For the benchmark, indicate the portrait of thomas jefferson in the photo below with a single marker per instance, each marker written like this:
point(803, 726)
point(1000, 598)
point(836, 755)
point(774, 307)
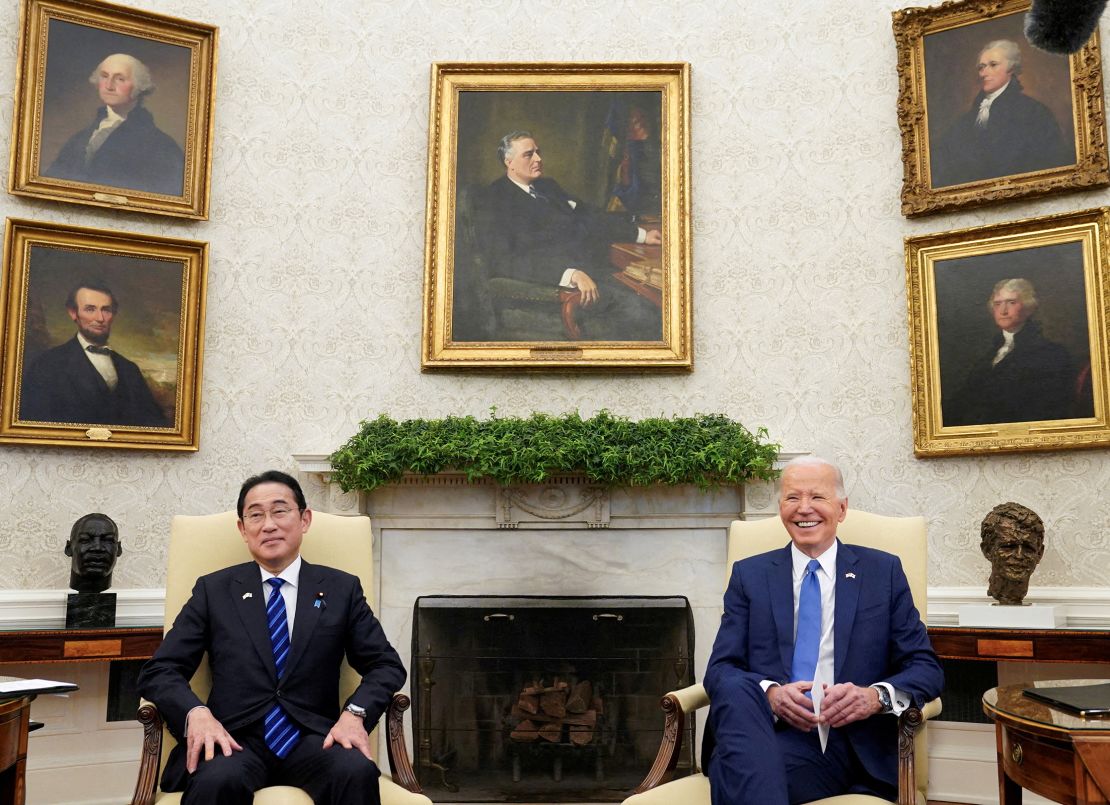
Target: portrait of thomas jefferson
point(1019, 373)
point(122, 146)
point(1005, 127)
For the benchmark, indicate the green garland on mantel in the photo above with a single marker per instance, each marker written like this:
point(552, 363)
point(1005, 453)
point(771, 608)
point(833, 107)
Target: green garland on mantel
point(707, 450)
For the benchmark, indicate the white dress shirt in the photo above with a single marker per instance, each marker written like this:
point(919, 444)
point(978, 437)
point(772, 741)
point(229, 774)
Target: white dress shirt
point(100, 361)
point(826, 578)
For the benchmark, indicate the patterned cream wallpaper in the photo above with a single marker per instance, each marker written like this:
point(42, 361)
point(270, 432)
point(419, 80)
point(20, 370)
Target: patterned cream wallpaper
point(313, 314)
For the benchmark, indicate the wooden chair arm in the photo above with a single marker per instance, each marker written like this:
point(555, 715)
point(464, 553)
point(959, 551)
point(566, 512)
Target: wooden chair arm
point(676, 705)
point(399, 763)
point(151, 758)
point(909, 724)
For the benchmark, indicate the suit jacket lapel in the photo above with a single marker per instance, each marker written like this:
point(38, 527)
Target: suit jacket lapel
point(846, 596)
point(780, 583)
point(308, 615)
point(249, 600)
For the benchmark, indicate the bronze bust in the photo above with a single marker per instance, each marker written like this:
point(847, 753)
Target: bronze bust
point(93, 545)
point(1012, 538)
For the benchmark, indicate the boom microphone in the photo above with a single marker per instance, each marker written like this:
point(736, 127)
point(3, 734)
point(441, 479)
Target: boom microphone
point(1062, 26)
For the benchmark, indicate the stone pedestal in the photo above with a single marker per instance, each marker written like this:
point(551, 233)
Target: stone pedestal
point(1027, 616)
point(90, 610)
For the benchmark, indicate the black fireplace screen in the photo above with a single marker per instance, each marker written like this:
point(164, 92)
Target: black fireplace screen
point(544, 698)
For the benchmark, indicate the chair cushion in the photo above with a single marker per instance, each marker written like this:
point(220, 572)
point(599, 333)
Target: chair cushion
point(691, 790)
point(391, 793)
point(694, 790)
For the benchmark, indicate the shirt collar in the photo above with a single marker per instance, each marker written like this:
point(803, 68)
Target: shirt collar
point(527, 188)
point(291, 574)
point(827, 560)
point(997, 92)
point(113, 117)
point(86, 343)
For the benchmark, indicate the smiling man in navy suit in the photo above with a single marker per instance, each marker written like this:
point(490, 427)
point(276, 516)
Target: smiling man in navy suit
point(816, 612)
point(275, 631)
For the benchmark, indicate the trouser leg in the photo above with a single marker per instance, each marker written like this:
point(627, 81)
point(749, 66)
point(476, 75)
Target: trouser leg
point(226, 780)
point(333, 776)
point(747, 766)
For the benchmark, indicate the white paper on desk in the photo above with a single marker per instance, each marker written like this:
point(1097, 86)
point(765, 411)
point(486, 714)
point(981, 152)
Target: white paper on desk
point(21, 685)
point(817, 694)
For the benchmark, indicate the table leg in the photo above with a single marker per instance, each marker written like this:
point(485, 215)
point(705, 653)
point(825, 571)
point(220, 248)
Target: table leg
point(1009, 792)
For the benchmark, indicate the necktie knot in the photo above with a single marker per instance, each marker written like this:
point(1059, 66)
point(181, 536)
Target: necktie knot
point(276, 583)
point(813, 566)
point(98, 350)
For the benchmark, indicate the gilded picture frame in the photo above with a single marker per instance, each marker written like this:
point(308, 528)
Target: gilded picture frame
point(101, 338)
point(590, 273)
point(985, 117)
point(113, 108)
point(1008, 336)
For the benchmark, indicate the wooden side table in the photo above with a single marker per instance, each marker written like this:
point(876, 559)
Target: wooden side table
point(14, 722)
point(1049, 751)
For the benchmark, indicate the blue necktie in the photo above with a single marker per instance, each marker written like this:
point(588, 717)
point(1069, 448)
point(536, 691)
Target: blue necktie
point(281, 734)
point(808, 641)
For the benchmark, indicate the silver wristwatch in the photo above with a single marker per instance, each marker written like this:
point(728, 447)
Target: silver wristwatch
point(354, 709)
point(884, 698)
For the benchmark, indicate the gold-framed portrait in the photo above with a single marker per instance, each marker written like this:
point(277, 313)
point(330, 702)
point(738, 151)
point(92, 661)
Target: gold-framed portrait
point(985, 116)
point(101, 337)
point(1008, 338)
point(113, 108)
point(558, 218)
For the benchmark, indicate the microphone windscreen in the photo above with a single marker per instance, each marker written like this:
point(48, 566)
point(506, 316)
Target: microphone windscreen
point(1062, 26)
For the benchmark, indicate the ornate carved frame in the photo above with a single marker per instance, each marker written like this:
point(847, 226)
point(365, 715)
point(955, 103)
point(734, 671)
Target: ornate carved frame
point(1089, 229)
point(102, 250)
point(1092, 166)
point(25, 177)
point(440, 350)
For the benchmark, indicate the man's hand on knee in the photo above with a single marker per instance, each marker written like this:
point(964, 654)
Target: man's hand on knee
point(349, 733)
point(845, 703)
point(790, 703)
point(206, 732)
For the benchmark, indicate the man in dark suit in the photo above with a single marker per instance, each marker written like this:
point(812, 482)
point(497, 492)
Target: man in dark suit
point(84, 381)
point(1022, 376)
point(122, 147)
point(534, 230)
point(1004, 132)
point(275, 631)
point(815, 613)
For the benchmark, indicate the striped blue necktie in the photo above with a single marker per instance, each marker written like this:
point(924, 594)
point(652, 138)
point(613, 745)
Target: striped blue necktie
point(808, 642)
point(281, 734)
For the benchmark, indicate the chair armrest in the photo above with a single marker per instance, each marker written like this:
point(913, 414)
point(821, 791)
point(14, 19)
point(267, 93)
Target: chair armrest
point(909, 724)
point(676, 705)
point(151, 758)
point(400, 765)
point(691, 698)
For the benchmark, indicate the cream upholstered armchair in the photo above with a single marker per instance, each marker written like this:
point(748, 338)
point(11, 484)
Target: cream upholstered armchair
point(200, 545)
point(904, 536)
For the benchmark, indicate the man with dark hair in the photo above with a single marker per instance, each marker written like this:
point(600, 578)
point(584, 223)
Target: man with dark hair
point(275, 631)
point(816, 613)
point(536, 231)
point(122, 147)
point(84, 381)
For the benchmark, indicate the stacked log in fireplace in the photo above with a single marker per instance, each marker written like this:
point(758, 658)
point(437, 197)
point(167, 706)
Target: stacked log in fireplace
point(559, 713)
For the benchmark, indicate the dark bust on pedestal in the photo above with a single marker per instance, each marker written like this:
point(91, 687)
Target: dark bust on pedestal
point(1012, 538)
point(93, 545)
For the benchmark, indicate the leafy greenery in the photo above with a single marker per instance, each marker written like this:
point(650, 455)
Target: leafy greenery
point(707, 450)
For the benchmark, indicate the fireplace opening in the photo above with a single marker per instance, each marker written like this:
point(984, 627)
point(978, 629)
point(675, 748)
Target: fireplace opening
point(544, 698)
